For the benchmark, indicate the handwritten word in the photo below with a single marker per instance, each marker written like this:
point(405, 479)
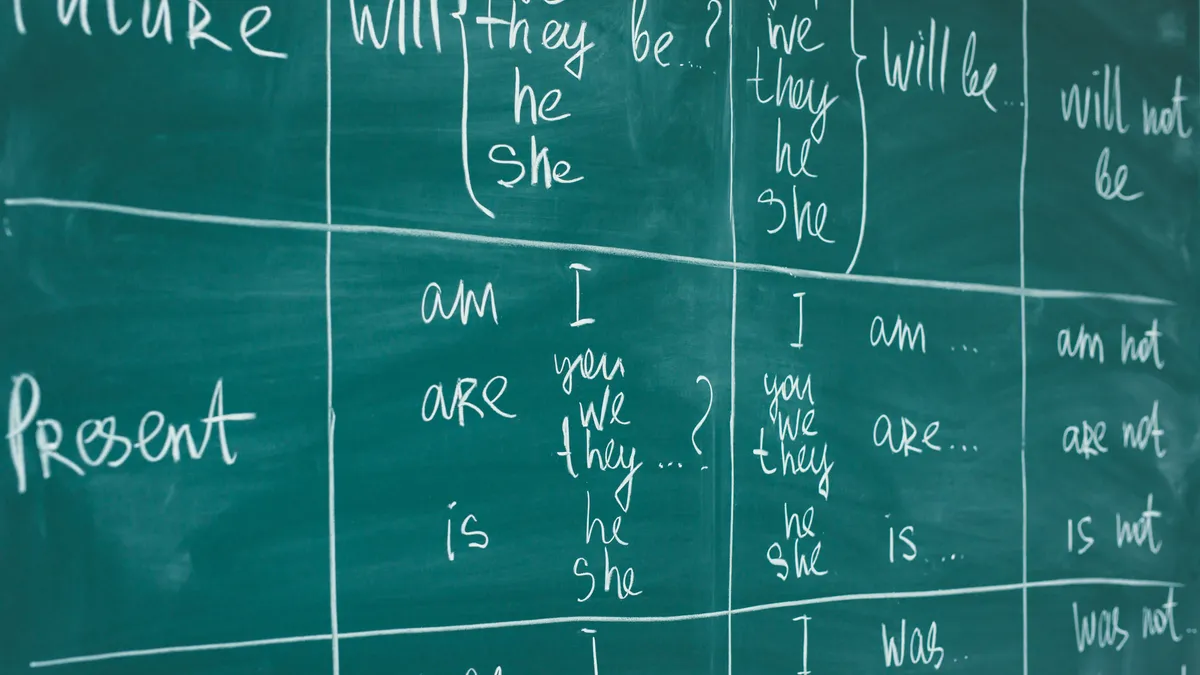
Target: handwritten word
point(906, 537)
point(1140, 532)
point(1160, 122)
point(971, 86)
point(641, 38)
point(794, 463)
point(539, 109)
point(1083, 345)
point(1161, 620)
point(48, 435)
point(802, 215)
point(589, 417)
point(1104, 105)
point(610, 536)
point(792, 426)
point(1146, 430)
point(897, 71)
point(790, 388)
point(1085, 439)
point(363, 24)
point(902, 334)
point(790, 37)
point(797, 93)
point(1112, 186)
point(555, 35)
point(460, 403)
point(883, 435)
point(783, 155)
point(580, 321)
point(465, 303)
point(199, 17)
point(613, 576)
point(479, 538)
point(799, 343)
point(922, 647)
point(804, 646)
point(1074, 528)
point(596, 660)
point(539, 168)
point(588, 367)
point(1103, 631)
point(1142, 350)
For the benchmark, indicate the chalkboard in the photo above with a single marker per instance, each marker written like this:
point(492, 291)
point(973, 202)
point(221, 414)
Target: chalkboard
point(643, 336)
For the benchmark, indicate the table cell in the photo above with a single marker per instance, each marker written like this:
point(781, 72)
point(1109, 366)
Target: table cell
point(556, 446)
point(883, 453)
point(165, 481)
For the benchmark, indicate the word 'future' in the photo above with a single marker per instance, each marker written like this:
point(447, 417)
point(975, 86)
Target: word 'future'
point(156, 21)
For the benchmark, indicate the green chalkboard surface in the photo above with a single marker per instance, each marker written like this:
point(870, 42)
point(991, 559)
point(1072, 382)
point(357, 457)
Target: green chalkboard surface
point(628, 337)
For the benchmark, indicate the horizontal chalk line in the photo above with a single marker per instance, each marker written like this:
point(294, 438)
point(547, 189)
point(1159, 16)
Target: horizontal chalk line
point(264, 223)
point(420, 630)
point(216, 646)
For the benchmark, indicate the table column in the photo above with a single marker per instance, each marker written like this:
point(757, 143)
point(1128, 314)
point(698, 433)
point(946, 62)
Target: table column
point(1111, 371)
point(531, 370)
point(877, 437)
point(164, 480)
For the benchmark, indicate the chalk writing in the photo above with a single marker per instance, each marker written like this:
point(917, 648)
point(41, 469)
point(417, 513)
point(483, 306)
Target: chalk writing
point(97, 444)
point(157, 23)
point(603, 142)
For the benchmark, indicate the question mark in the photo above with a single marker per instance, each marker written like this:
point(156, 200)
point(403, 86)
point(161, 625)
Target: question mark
point(708, 35)
point(705, 380)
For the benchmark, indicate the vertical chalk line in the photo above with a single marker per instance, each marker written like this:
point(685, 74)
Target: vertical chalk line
point(732, 361)
point(1024, 346)
point(330, 419)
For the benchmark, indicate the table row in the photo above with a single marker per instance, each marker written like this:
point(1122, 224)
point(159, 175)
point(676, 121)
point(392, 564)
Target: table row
point(1100, 630)
point(924, 159)
point(552, 436)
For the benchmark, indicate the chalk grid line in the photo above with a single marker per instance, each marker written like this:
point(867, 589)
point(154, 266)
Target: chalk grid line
point(676, 618)
point(331, 417)
point(1024, 343)
point(732, 358)
point(508, 242)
